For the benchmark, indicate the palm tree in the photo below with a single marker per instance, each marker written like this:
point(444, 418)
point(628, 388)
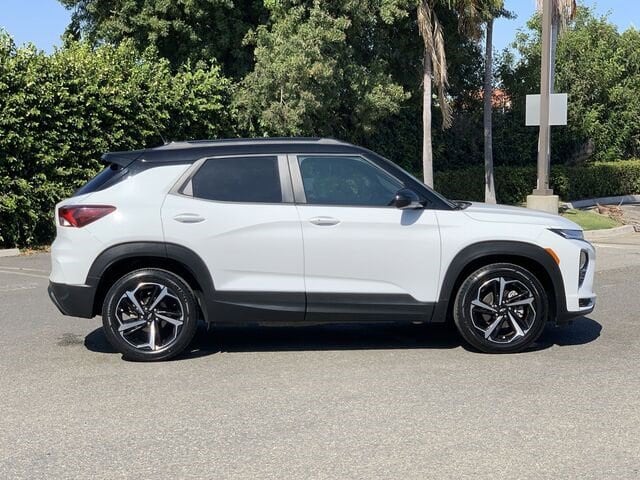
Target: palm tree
point(491, 9)
point(489, 185)
point(435, 69)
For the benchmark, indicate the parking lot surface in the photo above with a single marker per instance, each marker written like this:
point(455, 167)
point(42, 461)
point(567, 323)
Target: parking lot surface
point(324, 402)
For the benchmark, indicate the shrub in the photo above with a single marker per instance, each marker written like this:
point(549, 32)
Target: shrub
point(513, 184)
point(60, 112)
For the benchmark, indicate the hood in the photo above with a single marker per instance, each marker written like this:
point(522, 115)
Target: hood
point(485, 212)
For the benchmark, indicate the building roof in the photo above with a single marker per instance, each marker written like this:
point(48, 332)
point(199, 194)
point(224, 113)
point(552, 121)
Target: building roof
point(192, 150)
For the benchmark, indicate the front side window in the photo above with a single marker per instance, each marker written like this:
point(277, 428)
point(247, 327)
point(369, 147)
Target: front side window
point(344, 180)
point(238, 179)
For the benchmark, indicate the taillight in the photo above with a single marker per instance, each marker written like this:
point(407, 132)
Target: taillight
point(81, 215)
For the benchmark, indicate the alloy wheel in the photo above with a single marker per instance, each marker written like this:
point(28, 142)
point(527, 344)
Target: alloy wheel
point(150, 316)
point(503, 310)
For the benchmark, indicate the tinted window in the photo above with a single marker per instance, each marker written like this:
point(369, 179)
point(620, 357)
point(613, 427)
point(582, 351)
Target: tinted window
point(238, 179)
point(106, 178)
point(346, 181)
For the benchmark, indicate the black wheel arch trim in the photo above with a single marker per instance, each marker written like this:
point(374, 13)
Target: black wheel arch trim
point(190, 260)
point(216, 305)
point(478, 251)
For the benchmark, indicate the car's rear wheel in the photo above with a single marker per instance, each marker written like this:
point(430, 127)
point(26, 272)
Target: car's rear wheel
point(501, 308)
point(149, 314)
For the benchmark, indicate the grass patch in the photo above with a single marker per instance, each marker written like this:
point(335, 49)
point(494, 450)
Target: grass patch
point(590, 220)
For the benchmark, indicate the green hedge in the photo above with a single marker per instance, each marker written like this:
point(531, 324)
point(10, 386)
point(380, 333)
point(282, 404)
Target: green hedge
point(513, 184)
point(60, 112)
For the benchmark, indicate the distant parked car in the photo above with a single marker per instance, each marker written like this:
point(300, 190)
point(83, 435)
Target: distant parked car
point(303, 231)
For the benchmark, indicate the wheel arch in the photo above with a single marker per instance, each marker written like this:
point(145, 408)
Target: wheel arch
point(120, 259)
point(532, 257)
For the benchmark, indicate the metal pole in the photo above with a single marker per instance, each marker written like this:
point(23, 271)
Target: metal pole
point(545, 89)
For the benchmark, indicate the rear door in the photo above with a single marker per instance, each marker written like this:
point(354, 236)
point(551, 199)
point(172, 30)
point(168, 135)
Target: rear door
point(237, 214)
point(362, 255)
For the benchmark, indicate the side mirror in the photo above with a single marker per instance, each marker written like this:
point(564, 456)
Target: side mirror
point(406, 199)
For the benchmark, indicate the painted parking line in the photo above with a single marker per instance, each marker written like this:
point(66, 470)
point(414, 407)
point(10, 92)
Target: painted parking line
point(617, 246)
point(7, 267)
point(17, 288)
point(24, 274)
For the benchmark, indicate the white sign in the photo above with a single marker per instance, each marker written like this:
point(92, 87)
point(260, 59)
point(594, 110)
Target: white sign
point(557, 109)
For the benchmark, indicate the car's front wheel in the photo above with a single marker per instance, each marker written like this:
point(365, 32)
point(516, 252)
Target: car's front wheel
point(501, 308)
point(149, 314)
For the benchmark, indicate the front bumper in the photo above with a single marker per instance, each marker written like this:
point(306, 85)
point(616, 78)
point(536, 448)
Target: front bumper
point(73, 300)
point(564, 317)
point(580, 297)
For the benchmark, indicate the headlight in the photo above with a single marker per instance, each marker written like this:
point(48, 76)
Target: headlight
point(570, 234)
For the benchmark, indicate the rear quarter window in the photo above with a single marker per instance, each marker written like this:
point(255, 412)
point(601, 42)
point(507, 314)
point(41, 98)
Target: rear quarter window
point(106, 178)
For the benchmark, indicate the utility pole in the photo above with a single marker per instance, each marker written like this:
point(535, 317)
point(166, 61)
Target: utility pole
point(543, 197)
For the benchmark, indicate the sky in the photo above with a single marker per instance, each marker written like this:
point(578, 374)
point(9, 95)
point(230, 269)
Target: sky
point(42, 22)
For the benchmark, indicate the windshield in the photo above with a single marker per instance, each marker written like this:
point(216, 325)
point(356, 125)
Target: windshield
point(420, 183)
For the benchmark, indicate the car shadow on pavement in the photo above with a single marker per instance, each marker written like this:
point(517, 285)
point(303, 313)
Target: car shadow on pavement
point(348, 337)
point(326, 337)
point(583, 330)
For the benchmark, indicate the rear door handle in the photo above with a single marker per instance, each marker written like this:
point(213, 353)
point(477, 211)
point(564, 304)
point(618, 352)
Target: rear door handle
point(189, 218)
point(324, 221)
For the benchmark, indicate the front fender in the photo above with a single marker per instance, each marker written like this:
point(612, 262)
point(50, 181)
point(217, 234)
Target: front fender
point(479, 254)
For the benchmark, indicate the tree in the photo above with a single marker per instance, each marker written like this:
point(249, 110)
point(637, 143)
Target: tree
point(490, 11)
point(373, 71)
point(59, 113)
point(318, 72)
point(181, 31)
point(435, 67)
point(434, 71)
point(599, 68)
point(489, 182)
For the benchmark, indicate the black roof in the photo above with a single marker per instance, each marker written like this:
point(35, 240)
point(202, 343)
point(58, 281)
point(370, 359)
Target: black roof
point(190, 151)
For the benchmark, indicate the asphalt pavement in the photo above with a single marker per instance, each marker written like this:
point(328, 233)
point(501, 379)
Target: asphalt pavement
point(324, 402)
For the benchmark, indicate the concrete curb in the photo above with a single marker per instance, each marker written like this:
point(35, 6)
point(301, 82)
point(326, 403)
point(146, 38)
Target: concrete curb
point(9, 252)
point(592, 202)
point(608, 232)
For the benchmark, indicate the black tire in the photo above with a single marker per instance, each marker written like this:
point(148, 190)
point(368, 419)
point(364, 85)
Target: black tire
point(167, 337)
point(487, 323)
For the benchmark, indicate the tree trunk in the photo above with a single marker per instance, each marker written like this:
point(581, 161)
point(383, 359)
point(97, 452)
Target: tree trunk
point(427, 149)
point(489, 186)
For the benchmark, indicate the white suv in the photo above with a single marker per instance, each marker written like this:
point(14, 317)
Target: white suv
point(303, 231)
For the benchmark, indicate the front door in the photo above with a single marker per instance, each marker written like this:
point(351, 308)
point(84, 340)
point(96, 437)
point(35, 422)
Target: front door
point(361, 255)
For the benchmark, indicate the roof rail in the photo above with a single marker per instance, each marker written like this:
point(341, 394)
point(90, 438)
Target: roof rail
point(217, 141)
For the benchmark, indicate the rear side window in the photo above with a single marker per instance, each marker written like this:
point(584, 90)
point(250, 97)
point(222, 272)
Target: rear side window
point(238, 179)
point(105, 179)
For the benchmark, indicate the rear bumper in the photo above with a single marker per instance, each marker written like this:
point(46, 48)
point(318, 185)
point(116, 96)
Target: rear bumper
point(73, 300)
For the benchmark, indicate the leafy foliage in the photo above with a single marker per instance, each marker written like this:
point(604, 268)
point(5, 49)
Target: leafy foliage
point(306, 80)
point(180, 30)
point(59, 113)
point(600, 70)
point(351, 69)
point(513, 183)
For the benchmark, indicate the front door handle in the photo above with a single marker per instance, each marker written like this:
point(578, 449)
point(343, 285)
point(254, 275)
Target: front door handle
point(189, 218)
point(324, 221)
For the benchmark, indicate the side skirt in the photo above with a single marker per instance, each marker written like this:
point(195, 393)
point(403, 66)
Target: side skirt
point(296, 308)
